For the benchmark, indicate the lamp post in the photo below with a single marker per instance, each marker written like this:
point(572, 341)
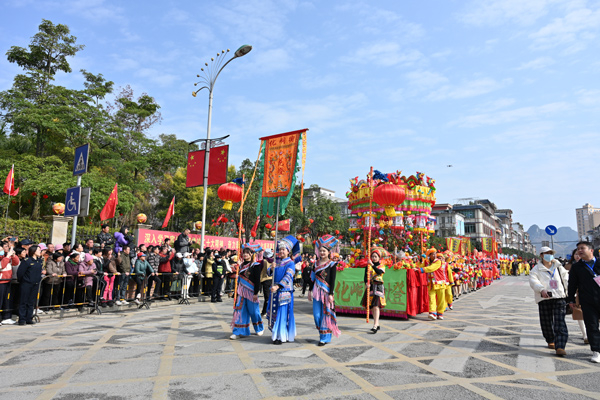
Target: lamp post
point(210, 74)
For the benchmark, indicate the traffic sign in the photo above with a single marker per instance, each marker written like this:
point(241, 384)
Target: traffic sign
point(551, 230)
point(73, 201)
point(80, 166)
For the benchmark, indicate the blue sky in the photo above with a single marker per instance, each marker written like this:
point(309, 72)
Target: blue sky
point(505, 91)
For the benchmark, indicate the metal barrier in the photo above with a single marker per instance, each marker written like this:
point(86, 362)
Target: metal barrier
point(72, 291)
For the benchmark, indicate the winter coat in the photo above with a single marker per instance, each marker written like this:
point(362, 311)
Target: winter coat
point(120, 241)
point(6, 268)
point(142, 268)
point(154, 261)
point(30, 270)
point(540, 276)
point(164, 265)
point(182, 244)
point(190, 266)
point(52, 267)
point(124, 263)
point(88, 271)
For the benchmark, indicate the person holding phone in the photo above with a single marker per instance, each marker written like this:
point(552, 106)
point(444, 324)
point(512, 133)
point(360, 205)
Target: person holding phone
point(549, 280)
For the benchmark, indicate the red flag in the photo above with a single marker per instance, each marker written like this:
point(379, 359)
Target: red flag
point(9, 184)
point(108, 211)
point(217, 167)
point(284, 225)
point(170, 213)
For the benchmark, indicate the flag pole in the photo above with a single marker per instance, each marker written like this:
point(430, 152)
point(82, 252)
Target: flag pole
point(370, 186)
point(239, 255)
point(275, 253)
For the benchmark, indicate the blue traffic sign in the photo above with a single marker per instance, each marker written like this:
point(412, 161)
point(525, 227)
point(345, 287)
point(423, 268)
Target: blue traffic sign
point(551, 230)
point(80, 166)
point(73, 201)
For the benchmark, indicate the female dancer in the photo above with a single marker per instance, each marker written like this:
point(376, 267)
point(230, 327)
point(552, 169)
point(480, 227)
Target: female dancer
point(322, 284)
point(376, 291)
point(281, 303)
point(246, 305)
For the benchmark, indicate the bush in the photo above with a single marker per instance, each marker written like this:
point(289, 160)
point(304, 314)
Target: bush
point(24, 228)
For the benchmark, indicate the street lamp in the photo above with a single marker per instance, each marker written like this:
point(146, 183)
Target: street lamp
point(210, 74)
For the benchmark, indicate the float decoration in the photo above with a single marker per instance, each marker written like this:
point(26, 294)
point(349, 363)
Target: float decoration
point(230, 193)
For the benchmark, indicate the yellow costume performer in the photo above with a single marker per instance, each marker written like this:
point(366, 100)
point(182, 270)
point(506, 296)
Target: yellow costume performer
point(437, 282)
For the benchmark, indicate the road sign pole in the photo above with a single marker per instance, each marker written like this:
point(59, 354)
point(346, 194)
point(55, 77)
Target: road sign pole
point(552, 241)
point(74, 230)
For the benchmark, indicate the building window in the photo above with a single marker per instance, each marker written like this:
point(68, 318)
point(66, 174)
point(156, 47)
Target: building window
point(470, 228)
point(468, 213)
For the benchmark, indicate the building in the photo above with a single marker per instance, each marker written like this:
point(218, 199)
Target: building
point(480, 219)
point(311, 193)
point(505, 224)
point(588, 218)
point(449, 223)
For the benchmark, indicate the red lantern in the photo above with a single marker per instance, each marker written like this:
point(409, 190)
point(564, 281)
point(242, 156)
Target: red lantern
point(142, 218)
point(311, 220)
point(330, 218)
point(230, 193)
point(44, 196)
point(389, 195)
point(224, 220)
point(268, 226)
point(337, 232)
point(33, 194)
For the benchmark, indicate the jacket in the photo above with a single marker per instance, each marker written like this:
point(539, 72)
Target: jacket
point(182, 244)
point(105, 238)
point(142, 268)
point(124, 263)
point(581, 278)
point(109, 265)
point(540, 276)
point(6, 270)
point(120, 241)
point(154, 261)
point(72, 269)
point(178, 265)
point(52, 267)
point(30, 270)
point(88, 271)
point(190, 266)
point(164, 265)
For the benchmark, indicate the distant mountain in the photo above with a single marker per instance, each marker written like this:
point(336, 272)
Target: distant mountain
point(564, 240)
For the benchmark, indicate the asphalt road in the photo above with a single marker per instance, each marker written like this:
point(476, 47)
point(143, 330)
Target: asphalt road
point(489, 346)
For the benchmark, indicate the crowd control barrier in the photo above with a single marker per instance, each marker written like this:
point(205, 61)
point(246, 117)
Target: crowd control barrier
point(66, 292)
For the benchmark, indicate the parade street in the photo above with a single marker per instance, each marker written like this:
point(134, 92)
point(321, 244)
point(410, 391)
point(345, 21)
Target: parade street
point(490, 346)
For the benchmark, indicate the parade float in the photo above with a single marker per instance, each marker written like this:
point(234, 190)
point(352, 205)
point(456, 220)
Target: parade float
point(392, 211)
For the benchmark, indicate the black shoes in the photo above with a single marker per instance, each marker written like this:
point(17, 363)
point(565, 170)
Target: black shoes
point(277, 341)
point(21, 322)
point(220, 300)
point(375, 329)
point(321, 344)
point(29, 323)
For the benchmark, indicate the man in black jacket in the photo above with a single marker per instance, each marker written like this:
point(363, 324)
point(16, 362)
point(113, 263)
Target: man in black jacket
point(584, 277)
point(182, 243)
point(104, 237)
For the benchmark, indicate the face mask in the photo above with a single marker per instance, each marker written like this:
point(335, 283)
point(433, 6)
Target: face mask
point(1, 252)
point(548, 257)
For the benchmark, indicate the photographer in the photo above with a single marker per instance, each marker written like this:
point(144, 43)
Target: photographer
point(104, 237)
point(123, 238)
point(549, 280)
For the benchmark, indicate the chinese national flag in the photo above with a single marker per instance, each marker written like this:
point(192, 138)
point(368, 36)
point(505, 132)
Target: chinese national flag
point(9, 184)
point(217, 167)
point(170, 213)
point(108, 211)
point(284, 225)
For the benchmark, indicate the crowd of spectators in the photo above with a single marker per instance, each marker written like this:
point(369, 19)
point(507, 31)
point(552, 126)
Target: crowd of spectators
point(103, 273)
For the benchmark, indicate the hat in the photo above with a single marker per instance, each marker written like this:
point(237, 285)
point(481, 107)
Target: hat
point(43, 246)
point(140, 254)
point(26, 242)
point(187, 254)
point(217, 255)
point(268, 253)
point(88, 257)
point(292, 245)
point(179, 255)
point(254, 248)
point(429, 251)
point(380, 251)
point(58, 247)
point(546, 249)
point(326, 241)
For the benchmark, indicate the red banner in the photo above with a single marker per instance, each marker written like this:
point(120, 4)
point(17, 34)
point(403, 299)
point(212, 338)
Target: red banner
point(280, 163)
point(151, 237)
point(217, 167)
point(284, 225)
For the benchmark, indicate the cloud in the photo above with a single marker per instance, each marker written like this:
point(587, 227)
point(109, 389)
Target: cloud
point(384, 54)
point(577, 26)
point(159, 78)
point(538, 63)
point(467, 89)
point(589, 97)
point(425, 79)
point(503, 117)
point(498, 12)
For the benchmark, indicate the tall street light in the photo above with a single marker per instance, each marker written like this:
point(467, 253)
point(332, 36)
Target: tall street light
point(210, 73)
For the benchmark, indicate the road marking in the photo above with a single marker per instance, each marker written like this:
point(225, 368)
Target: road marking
point(466, 342)
point(534, 362)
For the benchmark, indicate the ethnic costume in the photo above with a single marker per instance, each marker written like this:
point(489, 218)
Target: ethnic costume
point(246, 308)
point(322, 285)
point(437, 282)
point(376, 291)
point(281, 304)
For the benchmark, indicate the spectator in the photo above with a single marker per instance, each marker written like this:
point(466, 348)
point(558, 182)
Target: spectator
point(78, 247)
point(88, 268)
point(218, 272)
point(8, 260)
point(142, 268)
point(584, 278)
point(15, 287)
point(51, 248)
point(104, 237)
point(164, 268)
point(124, 270)
point(182, 243)
point(109, 268)
point(209, 259)
point(55, 270)
point(66, 248)
point(178, 267)
point(122, 238)
point(89, 246)
point(190, 268)
point(29, 275)
point(548, 279)
point(72, 270)
point(167, 244)
point(26, 244)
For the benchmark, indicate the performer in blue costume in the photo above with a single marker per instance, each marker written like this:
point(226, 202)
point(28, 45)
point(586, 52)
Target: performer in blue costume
point(246, 305)
point(321, 293)
point(281, 303)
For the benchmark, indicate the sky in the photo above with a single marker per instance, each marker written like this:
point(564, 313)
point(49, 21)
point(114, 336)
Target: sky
point(494, 99)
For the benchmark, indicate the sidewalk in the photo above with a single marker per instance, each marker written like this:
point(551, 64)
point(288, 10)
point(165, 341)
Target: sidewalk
point(490, 346)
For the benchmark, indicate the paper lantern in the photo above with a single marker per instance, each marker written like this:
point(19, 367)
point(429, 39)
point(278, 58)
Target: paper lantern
point(58, 208)
point(230, 193)
point(141, 218)
point(268, 226)
point(331, 218)
point(389, 195)
point(198, 225)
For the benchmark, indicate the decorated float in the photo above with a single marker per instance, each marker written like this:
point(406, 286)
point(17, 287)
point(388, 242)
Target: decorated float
point(392, 211)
